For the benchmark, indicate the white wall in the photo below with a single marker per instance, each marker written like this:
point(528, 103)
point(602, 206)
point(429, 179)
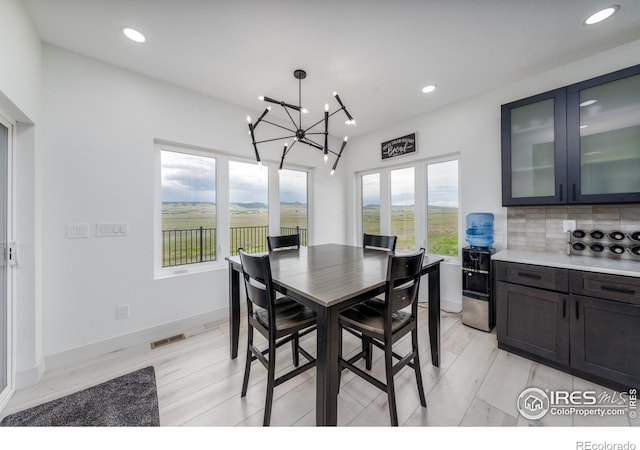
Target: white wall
point(99, 164)
point(472, 129)
point(20, 97)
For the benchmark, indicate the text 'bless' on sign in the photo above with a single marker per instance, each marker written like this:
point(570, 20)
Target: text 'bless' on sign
point(399, 146)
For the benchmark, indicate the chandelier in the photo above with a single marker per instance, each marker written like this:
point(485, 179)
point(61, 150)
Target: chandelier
point(296, 131)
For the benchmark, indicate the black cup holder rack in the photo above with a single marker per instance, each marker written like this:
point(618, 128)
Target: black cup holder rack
point(616, 244)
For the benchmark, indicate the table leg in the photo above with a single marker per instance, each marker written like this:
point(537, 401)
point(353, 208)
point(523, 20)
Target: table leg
point(234, 310)
point(434, 315)
point(327, 379)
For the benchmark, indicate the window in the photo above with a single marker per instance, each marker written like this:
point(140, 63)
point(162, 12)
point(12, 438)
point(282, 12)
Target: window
point(248, 207)
point(403, 208)
point(442, 208)
point(371, 203)
point(293, 203)
point(392, 199)
point(188, 193)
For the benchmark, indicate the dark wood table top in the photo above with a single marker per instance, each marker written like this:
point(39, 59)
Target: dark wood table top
point(330, 273)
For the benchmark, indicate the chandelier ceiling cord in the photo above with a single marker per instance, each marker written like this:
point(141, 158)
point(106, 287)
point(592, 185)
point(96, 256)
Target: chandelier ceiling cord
point(298, 133)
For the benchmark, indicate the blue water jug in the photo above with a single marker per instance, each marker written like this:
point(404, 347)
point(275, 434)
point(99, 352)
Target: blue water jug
point(480, 229)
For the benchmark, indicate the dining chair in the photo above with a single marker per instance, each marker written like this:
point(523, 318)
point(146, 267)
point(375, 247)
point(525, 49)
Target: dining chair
point(278, 321)
point(288, 241)
point(285, 241)
point(385, 321)
point(379, 241)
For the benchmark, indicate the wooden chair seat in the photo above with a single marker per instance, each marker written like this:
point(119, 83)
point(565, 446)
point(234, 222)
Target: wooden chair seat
point(291, 316)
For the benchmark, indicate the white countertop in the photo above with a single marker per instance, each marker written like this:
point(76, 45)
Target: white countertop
point(624, 267)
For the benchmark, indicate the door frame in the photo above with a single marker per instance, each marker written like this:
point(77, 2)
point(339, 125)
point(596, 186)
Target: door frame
point(5, 395)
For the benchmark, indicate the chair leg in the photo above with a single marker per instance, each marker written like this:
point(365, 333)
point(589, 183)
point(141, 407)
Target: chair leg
point(271, 372)
point(416, 368)
point(391, 392)
point(295, 346)
point(247, 365)
point(367, 348)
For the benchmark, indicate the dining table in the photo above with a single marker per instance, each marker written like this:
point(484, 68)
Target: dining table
point(329, 278)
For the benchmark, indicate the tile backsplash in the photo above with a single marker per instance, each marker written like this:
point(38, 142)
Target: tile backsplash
point(540, 227)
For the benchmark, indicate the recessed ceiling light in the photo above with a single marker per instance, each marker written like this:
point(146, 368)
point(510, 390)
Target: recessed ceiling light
point(134, 35)
point(588, 102)
point(428, 89)
point(601, 15)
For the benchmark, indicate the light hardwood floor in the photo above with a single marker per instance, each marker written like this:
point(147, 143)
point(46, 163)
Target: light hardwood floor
point(199, 385)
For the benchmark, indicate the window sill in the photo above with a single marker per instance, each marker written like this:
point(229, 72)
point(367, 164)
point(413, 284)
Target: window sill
point(189, 269)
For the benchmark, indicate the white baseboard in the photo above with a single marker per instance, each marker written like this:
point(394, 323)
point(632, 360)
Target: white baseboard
point(84, 352)
point(452, 306)
point(29, 377)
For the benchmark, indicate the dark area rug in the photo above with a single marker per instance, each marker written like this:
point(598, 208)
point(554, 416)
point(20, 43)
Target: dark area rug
point(127, 401)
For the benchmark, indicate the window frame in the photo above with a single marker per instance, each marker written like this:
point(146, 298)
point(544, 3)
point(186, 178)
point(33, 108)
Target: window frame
point(420, 196)
point(222, 205)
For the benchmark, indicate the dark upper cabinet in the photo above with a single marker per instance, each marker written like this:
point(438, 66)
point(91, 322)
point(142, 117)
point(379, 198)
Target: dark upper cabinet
point(579, 144)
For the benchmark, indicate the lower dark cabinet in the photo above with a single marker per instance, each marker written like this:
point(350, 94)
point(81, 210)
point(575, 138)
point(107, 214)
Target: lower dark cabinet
point(605, 339)
point(533, 320)
point(594, 338)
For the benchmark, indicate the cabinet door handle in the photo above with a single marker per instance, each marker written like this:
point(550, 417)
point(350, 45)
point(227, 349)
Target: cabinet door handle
point(573, 188)
point(577, 310)
point(617, 289)
point(561, 191)
point(564, 308)
point(530, 275)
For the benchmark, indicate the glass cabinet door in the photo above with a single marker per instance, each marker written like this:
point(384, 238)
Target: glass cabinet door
point(534, 150)
point(604, 138)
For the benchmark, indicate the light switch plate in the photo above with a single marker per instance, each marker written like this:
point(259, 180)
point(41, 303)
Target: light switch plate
point(77, 230)
point(112, 229)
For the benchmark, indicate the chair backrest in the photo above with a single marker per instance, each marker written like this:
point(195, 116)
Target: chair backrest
point(256, 271)
point(286, 241)
point(377, 241)
point(403, 280)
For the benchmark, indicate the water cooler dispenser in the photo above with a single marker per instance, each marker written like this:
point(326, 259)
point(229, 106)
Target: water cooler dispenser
point(478, 310)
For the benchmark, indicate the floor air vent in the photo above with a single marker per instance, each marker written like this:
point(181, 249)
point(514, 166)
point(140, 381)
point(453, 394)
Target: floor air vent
point(166, 341)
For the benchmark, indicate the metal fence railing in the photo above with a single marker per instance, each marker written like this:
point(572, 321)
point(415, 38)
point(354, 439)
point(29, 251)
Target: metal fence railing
point(196, 245)
point(188, 246)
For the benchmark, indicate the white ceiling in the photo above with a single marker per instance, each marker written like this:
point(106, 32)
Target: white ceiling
point(377, 54)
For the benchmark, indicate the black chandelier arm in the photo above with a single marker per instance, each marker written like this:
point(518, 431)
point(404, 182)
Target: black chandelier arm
point(313, 144)
point(276, 139)
point(283, 104)
point(290, 117)
point(280, 126)
point(320, 121)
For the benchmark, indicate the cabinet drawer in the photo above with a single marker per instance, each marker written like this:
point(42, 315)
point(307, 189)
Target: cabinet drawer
point(610, 287)
point(550, 278)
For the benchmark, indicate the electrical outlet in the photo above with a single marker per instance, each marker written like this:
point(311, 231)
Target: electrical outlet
point(568, 225)
point(122, 312)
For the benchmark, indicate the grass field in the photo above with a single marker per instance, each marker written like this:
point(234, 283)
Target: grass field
point(442, 225)
point(248, 224)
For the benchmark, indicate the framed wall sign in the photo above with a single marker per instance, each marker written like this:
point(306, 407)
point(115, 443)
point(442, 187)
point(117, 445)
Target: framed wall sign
point(399, 146)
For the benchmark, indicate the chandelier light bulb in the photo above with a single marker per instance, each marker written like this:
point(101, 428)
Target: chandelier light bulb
point(248, 119)
point(304, 110)
point(326, 158)
point(326, 107)
point(346, 138)
point(332, 171)
point(261, 98)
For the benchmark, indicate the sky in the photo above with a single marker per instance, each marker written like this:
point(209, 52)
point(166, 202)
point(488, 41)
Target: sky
point(191, 178)
point(442, 181)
